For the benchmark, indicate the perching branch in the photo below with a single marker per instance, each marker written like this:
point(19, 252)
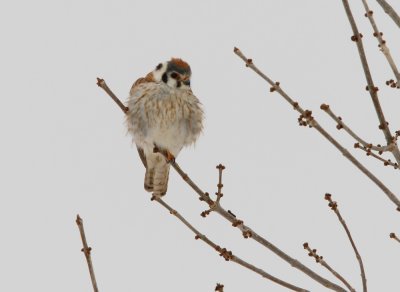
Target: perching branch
point(341, 125)
point(226, 254)
point(382, 43)
point(333, 205)
point(101, 83)
point(307, 118)
point(390, 11)
point(87, 251)
point(246, 231)
point(320, 260)
point(372, 89)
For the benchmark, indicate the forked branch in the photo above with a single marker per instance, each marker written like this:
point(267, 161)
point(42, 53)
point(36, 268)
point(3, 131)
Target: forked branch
point(341, 125)
point(372, 89)
point(368, 152)
point(307, 118)
point(223, 252)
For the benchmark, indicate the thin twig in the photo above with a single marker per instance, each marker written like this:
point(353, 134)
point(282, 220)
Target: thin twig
point(219, 288)
point(219, 194)
point(382, 43)
point(393, 236)
point(314, 124)
point(248, 232)
point(368, 151)
point(341, 125)
point(87, 251)
point(333, 205)
point(320, 260)
point(101, 83)
point(226, 254)
point(372, 89)
point(390, 11)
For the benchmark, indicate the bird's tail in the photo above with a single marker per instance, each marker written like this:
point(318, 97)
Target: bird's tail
point(157, 174)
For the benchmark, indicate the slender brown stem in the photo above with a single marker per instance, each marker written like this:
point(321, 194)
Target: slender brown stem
point(101, 83)
point(382, 43)
point(320, 260)
point(372, 89)
point(314, 124)
point(226, 254)
point(333, 205)
point(87, 251)
point(341, 125)
point(219, 194)
point(370, 153)
point(219, 288)
point(393, 236)
point(250, 233)
point(390, 11)
point(247, 231)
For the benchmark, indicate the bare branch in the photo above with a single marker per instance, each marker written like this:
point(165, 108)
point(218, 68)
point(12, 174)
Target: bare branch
point(341, 125)
point(372, 89)
point(87, 251)
point(390, 11)
point(382, 43)
point(368, 151)
point(219, 287)
point(247, 231)
point(393, 235)
point(333, 205)
point(311, 121)
point(226, 254)
point(250, 233)
point(220, 168)
point(219, 194)
point(320, 260)
point(101, 83)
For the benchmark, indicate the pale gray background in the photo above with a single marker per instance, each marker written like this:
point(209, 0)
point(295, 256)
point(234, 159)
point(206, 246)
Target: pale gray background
point(64, 148)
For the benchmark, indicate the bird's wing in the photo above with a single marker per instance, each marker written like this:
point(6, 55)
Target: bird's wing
point(148, 78)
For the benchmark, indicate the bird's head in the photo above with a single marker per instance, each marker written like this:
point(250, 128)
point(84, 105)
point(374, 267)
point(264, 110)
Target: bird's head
point(175, 73)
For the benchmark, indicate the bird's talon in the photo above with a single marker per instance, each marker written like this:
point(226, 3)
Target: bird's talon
point(170, 157)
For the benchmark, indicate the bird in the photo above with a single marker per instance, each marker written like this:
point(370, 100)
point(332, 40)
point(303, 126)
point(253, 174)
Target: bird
point(163, 116)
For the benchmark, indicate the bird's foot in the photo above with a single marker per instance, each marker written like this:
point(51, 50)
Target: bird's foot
point(168, 155)
point(157, 196)
point(170, 158)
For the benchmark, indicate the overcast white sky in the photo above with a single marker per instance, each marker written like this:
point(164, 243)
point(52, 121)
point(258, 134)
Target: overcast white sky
point(64, 148)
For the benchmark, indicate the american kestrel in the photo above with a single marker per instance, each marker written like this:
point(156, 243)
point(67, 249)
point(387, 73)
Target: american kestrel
point(163, 113)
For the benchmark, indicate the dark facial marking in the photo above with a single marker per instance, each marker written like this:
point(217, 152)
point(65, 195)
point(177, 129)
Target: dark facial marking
point(187, 82)
point(174, 75)
point(159, 66)
point(164, 78)
point(178, 84)
point(174, 67)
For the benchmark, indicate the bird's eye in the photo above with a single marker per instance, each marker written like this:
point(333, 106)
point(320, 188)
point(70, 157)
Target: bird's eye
point(174, 75)
point(159, 66)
